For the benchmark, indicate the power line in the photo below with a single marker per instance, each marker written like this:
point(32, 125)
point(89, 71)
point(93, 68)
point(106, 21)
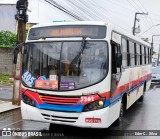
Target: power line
point(146, 10)
point(76, 6)
point(142, 10)
point(121, 5)
point(133, 6)
point(62, 9)
point(137, 5)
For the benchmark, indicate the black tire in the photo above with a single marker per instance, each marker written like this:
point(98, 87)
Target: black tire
point(53, 127)
point(141, 99)
point(121, 115)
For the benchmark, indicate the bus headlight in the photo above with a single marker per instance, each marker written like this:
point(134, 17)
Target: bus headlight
point(95, 105)
point(28, 100)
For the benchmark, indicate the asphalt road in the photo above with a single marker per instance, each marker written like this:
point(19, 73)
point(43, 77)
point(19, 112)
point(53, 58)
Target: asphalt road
point(141, 116)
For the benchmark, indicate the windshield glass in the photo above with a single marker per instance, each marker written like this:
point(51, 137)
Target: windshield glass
point(64, 65)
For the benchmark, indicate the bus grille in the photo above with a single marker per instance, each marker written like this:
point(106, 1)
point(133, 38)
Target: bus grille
point(60, 100)
point(59, 118)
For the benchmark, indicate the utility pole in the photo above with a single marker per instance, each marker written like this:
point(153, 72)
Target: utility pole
point(21, 18)
point(135, 19)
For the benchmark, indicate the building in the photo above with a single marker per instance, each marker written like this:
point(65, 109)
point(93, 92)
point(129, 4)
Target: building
point(7, 16)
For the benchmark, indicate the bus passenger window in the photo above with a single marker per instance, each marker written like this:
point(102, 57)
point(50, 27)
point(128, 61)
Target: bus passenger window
point(124, 52)
point(135, 53)
point(148, 55)
point(141, 58)
point(145, 55)
point(138, 54)
point(142, 49)
point(132, 53)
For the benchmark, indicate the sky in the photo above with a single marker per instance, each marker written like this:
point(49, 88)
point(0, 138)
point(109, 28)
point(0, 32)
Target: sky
point(118, 12)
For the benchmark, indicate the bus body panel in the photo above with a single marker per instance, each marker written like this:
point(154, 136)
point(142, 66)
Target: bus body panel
point(107, 116)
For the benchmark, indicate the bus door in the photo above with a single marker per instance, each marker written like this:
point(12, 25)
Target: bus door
point(116, 66)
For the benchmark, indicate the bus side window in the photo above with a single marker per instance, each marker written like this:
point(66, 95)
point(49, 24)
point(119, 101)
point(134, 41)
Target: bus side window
point(147, 62)
point(132, 53)
point(114, 51)
point(151, 52)
point(141, 58)
point(135, 53)
point(124, 53)
point(138, 54)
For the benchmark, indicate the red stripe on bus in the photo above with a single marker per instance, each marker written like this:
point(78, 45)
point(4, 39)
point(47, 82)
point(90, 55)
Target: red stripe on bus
point(127, 86)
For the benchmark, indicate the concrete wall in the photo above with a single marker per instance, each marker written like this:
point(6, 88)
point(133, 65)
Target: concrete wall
point(6, 64)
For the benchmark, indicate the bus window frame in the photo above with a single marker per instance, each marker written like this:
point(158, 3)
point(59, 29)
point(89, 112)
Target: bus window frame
point(108, 64)
point(136, 43)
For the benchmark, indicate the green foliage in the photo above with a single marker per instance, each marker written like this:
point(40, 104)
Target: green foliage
point(6, 79)
point(7, 39)
point(145, 39)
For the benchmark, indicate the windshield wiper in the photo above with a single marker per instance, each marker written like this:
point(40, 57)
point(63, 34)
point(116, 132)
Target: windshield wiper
point(78, 56)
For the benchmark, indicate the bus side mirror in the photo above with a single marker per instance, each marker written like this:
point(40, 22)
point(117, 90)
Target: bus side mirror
point(119, 60)
point(15, 54)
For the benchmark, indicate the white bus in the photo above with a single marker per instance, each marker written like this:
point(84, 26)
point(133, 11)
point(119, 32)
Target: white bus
point(83, 74)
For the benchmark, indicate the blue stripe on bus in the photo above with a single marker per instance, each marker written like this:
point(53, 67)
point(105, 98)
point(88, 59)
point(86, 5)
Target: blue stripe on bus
point(119, 96)
point(79, 107)
point(71, 108)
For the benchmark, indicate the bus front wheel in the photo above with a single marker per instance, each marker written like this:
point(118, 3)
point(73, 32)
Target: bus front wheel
point(121, 114)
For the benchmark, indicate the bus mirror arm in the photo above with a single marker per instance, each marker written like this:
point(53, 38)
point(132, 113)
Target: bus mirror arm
point(119, 60)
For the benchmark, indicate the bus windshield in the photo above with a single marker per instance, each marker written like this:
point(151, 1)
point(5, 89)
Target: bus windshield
point(63, 66)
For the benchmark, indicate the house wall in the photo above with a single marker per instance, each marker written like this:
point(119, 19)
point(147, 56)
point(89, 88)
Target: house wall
point(6, 64)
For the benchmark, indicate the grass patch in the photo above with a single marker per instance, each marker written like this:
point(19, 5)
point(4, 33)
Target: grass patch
point(6, 79)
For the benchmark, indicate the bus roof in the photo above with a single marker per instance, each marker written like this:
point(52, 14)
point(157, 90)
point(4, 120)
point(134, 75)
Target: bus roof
point(114, 28)
point(130, 36)
point(71, 23)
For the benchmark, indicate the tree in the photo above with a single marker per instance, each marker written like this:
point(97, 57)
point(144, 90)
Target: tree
point(7, 39)
point(145, 39)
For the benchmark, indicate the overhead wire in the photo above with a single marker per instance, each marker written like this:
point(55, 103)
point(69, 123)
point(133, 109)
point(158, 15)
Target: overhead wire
point(133, 6)
point(146, 11)
point(137, 7)
point(91, 10)
point(53, 3)
point(122, 5)
point(81, 11)
point(76, 6)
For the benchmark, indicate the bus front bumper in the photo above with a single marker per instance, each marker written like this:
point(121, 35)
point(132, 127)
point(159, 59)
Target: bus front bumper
point(92, 119)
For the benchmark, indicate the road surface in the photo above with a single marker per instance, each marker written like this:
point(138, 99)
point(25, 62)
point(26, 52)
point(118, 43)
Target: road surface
point(141, 116)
